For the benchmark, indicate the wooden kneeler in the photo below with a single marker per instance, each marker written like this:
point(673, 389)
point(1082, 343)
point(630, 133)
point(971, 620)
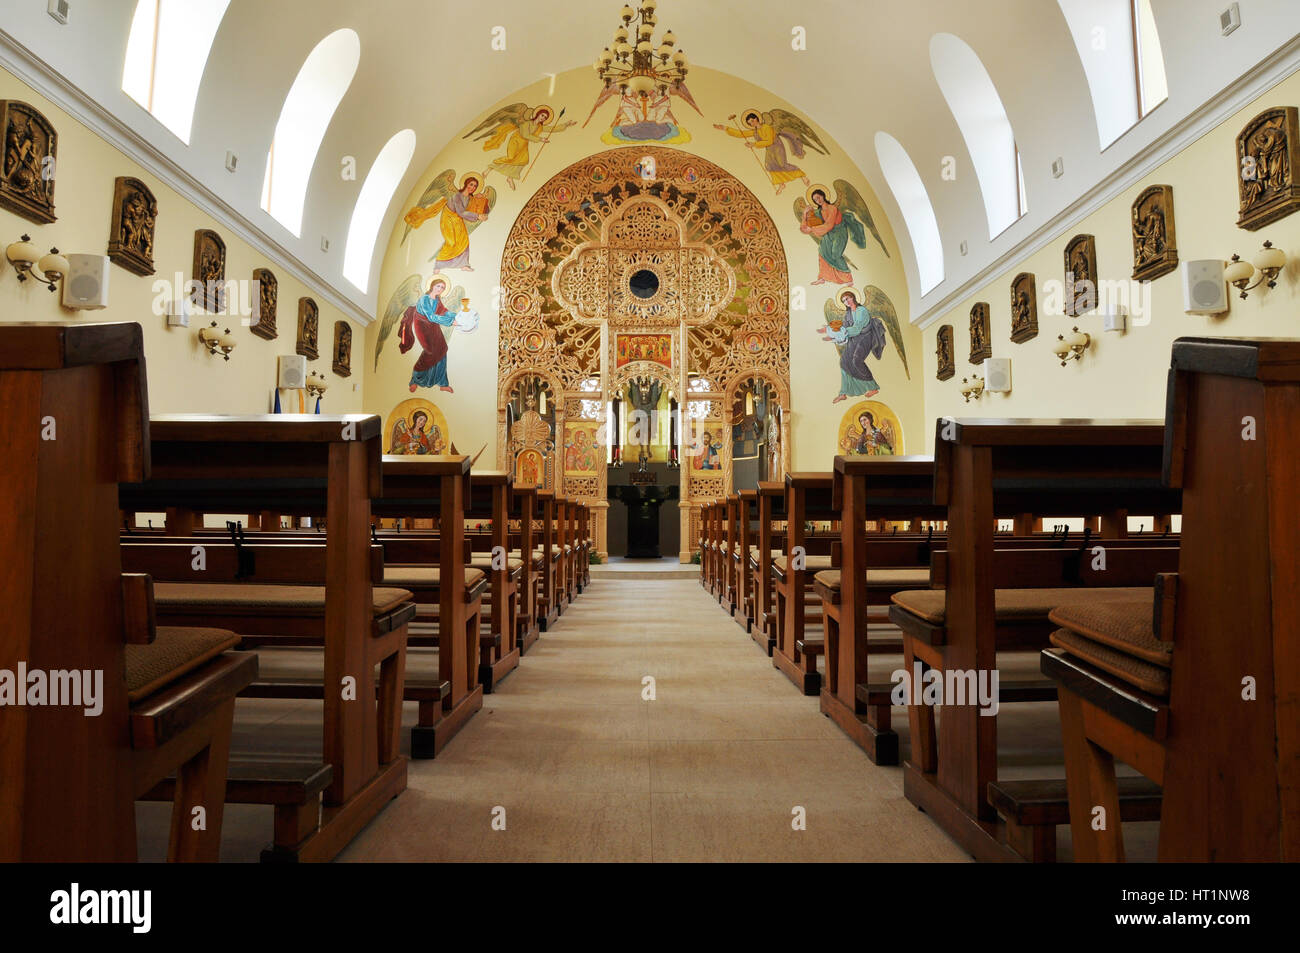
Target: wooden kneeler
point(75, 424)
point(1224, 743)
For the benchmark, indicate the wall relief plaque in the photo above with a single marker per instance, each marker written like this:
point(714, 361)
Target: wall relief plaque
point(1268, 167)
point(342, 349)
point(946, 365)
point(131, 232)
point(268, 291)
point(1154, 249)
point(980, 345)
point(1080, 275)
point(27, 166)
point(1024, 308)
point(308, 329)
point(209, 270)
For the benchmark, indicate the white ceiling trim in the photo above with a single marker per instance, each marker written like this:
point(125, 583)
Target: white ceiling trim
point(46, 80)
point(1283, 62)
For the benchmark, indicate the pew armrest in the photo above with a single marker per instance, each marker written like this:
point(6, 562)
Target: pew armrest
point(139, 616)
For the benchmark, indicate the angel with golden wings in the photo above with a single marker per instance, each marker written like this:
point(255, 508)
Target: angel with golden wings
point(774, 131)
point(462, 206)
point(516, 126)
point(832, 222)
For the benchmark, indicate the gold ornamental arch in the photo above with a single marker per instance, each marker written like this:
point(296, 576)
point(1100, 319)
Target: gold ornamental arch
point(715, 314)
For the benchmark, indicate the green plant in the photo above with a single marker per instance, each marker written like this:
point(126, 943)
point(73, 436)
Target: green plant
point(697, 557)
point(594, 558)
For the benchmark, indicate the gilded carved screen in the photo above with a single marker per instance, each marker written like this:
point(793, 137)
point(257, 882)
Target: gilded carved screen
point(608, 276)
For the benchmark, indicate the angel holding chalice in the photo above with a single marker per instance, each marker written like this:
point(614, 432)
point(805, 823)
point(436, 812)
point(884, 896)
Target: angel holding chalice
point(426, 320)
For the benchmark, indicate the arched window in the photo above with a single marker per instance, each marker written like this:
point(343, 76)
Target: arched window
point(977, 107)
point(372, 201)
point(324, 78)
point(1120, 49)
point(166, 52)
point(914, 202)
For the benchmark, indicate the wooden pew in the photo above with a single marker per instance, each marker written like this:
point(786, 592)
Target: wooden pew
point(870, 488)
point(548, 609)
point(746, 511)
point(523, 503)
point(436, 487)
point(75, 424)
point(985, 470)
point(729, 554)
point(771, 502)
point(1166, 693)
point(301, 465)
point(808, 498)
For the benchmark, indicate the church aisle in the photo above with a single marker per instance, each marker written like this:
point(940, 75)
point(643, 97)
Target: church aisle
point(711, 769)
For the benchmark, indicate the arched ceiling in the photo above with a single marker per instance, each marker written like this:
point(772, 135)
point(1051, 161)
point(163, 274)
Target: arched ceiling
point(429, 65)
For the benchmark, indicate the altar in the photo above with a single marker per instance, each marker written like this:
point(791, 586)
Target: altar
point(643, 504)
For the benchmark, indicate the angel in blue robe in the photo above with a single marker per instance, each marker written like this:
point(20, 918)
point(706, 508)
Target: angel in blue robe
point(860, 336)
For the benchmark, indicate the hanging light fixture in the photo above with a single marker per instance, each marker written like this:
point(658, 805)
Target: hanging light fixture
point(633, 62)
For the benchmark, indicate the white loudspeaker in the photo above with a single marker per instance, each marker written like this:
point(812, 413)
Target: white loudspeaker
point(1204, 289)
point(293, 371)
point(997, 375)
point(85, 288)
point(178, 314)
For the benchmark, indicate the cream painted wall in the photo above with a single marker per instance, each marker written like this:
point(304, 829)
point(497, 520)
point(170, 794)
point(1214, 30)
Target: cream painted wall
point(1123, 375)
point(182, 376)
point(472, 363)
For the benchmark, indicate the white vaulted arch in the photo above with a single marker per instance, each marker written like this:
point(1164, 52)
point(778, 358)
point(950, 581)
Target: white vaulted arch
point(306, 114)
point(982, 119)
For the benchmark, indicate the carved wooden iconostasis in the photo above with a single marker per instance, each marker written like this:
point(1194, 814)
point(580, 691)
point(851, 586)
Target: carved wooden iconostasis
point(613, 275)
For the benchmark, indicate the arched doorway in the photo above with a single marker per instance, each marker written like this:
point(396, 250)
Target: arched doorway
point(613, 273)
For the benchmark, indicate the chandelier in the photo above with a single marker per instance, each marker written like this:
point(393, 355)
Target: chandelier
point(633, 64)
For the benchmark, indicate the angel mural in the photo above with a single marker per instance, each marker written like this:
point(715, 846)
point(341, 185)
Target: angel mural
point(774, 132)
point(460, 207)
point(858, 325)
point(516, 126)
point(869, 436)
point(424, 319)
point(832, 224)
point(646, 118)
point(420, 436)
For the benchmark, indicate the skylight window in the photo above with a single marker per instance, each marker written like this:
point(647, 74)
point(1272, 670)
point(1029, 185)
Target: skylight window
point(914, 202)
point(990, 141)
point(166, 53)
point(372, 201)
point(1120, 49)
point(315, 95)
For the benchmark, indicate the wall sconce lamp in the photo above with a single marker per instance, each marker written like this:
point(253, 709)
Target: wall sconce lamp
point(973, 390)
point(1071, 348)
point(215, 340)
point(316, 385)
point(1268, 261)
point(49, 269)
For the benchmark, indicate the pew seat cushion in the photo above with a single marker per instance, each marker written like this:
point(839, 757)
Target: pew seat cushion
point(260, 599)
point(878, 578)
point(1152, 679)
point(177, 651)
point(1124, 626)
point(811, 563)
point(423, 576)
point(484, 564)
point(1017, 605)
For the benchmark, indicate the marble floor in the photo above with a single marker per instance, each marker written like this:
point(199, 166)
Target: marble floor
point(644, 726)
